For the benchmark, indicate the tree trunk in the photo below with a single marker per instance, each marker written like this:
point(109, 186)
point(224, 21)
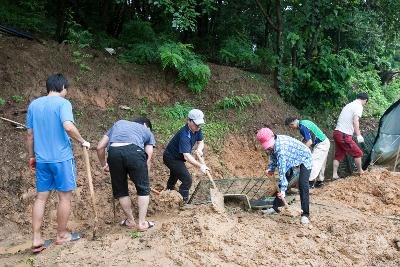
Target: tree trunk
point(61, 30)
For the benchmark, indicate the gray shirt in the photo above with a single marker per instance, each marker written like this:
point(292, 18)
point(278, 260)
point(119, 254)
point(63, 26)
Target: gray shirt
point(124, 131)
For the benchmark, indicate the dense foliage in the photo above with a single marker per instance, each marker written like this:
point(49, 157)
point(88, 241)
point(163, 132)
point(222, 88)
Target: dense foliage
point(319, 53)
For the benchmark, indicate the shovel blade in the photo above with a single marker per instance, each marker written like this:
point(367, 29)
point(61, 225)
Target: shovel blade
point(217, 199)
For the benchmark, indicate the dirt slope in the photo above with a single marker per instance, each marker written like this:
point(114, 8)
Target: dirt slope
point(347, 229)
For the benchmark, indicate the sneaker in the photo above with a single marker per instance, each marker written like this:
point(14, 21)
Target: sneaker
point(269, 211)
point(319, 184)
point(304, 220)
point(311, 184)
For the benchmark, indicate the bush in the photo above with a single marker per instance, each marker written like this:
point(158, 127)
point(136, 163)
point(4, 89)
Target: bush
point(80, 37)
point(237, 51)
point(137, 31)
point(369, 81)
point(103, 40)
point(239, 102)
point(321, 84)
point(392, 91)
point(189, 66)
point(27, 15)
point(145, 53)
point(268, 59)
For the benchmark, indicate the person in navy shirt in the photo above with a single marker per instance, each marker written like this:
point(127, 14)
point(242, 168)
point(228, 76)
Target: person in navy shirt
point(50, 124)
point(179, 150)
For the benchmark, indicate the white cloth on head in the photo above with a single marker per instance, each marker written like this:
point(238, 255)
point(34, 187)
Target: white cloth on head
point(345, 121)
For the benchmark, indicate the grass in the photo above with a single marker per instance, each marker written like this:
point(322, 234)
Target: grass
point(239, 102)
point(17, 98)
point(134, 234)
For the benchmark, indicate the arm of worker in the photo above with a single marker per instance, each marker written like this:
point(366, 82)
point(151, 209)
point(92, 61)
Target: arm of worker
point(356, 125)
point(200, 148)
point(203, 167)
point(73, 132)
point(272, 164)
point(101, 152)
point(29, 145)
point(283, 183)
point(149, 151)
point(307, 139)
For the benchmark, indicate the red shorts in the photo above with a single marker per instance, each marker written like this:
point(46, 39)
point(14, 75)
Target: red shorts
point(344, 144)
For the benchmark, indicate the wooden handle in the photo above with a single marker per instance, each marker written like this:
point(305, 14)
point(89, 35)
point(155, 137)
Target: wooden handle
point(90, 181)
point(201, 159)
point(155, 191)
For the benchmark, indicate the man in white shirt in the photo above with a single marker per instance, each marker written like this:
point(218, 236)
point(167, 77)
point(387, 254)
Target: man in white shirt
point(348, 124)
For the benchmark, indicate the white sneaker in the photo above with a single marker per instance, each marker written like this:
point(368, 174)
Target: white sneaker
point(269, 211)
point(304, 220)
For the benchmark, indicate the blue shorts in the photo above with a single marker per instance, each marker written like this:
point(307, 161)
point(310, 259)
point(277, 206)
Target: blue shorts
point(60, 176)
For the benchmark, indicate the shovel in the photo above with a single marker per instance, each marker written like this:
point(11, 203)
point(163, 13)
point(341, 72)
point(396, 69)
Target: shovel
point(92, 196)
point(217, 198)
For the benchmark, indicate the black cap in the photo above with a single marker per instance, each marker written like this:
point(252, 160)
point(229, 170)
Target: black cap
point(362, 96)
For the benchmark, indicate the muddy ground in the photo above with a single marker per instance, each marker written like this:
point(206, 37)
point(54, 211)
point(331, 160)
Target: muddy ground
point(354, 221)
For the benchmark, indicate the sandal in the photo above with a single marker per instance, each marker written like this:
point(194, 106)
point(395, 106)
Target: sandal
point(40, 248)
point(149, 225)
point(124, 223)
point(74, 237)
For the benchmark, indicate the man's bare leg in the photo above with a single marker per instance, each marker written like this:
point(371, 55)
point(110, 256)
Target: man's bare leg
point(335, 169)
point(37, 217)
point(63, 211)
point(127, 208)
point(359, 166)
point(143, 203)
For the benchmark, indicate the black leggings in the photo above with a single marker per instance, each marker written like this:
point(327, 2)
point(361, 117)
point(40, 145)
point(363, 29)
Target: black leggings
point(304, 192)
point(178, 171)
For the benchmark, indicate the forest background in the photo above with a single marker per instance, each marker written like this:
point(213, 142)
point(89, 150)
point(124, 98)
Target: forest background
point(319, 53)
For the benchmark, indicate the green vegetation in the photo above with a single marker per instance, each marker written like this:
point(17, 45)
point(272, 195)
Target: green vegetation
point(30, 260)
point(318, 53)
point(190, 68)
point(134, 234)
point(239, 102)
point(17, 98)
point(2, 102)
point(178, 111)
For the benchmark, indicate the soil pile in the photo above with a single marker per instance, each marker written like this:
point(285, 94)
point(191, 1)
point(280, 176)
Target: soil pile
point(376, 192)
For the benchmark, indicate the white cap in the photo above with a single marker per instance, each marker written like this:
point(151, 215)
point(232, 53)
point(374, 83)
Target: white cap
point(197, 116)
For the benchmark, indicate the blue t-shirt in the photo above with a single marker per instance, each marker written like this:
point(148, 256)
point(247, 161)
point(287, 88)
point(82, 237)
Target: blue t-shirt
point(182, 142)
point(124, 131)
point(45, 117)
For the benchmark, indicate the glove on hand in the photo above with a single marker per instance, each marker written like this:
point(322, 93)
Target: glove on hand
point(204, 168)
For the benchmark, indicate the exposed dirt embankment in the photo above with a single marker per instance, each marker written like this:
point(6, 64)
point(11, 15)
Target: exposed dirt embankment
point(348, 227)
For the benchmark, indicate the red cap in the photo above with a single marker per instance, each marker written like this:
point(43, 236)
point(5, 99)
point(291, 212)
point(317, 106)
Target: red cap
point(266, 138)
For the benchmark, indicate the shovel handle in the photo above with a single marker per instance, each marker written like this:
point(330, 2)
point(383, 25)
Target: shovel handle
point(155, 191)
point(201, 159)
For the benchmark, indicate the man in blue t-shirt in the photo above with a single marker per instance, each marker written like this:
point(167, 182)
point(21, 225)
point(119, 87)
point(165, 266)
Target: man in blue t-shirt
point(179, 150)
point(50, 123)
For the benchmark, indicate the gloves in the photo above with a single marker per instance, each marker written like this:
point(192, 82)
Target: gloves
point(360, 139)
point(204, 168)
point(86, 144)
